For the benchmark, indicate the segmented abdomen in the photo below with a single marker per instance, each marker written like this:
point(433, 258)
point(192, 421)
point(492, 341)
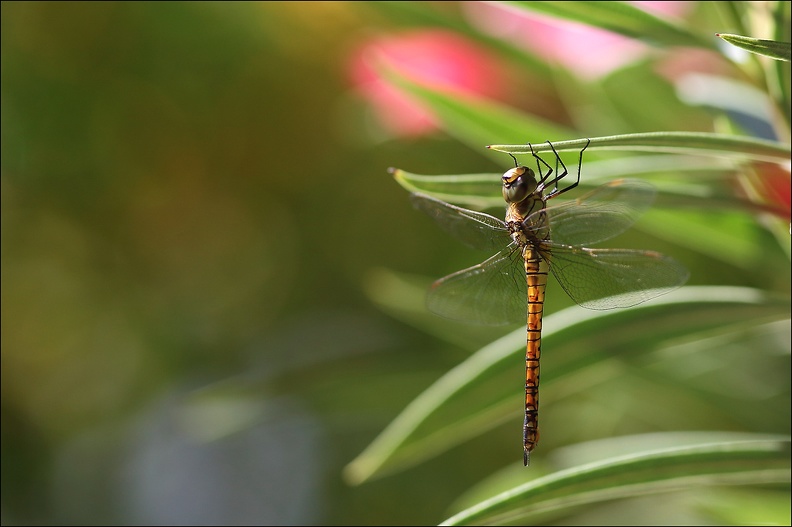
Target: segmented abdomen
point(536, 275)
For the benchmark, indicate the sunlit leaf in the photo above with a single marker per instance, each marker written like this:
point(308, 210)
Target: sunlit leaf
point(479, 393)
point(700, 143)
point(760, 461)
point(768, 48)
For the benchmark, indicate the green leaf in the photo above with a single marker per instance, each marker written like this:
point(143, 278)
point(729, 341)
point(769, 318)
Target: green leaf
point(701, 143)
point(723, 235)
point(746, 506)
point(760, 461)
point(769, 48)
point(479, 191)
point(476, 121)
point(479, 393)
point(403, 296)
point(483, 191)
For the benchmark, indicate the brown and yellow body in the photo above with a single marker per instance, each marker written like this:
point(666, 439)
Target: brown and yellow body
point(593, 278)
point(523, 203)
point(536, 275)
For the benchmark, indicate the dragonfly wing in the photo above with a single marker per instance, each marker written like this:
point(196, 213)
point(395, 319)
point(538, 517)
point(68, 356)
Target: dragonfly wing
point(599, 215)
point(475, 229)
point(613, 278)
point(491, 293)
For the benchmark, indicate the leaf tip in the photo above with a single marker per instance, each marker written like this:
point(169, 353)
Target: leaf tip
point(353, 474)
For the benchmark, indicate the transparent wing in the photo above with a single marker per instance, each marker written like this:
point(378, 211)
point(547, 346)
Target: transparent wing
point(491, 293)
point(599, 215)
point(475, 229)
point(611, 278)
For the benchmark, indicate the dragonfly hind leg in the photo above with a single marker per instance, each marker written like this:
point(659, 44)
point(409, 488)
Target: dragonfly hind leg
point(556, 191)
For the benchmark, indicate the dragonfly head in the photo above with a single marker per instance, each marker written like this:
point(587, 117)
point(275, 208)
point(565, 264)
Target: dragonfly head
point(518, 184)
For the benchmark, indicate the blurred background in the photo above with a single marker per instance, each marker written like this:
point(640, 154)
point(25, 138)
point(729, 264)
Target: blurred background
point(196, 220)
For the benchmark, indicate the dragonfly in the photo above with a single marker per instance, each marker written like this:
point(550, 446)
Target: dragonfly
point(535, 237)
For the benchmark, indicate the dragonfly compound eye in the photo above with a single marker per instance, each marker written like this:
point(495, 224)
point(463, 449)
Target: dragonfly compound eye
point(518, 184)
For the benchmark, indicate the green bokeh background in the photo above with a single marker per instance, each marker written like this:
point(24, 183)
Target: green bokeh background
point(193, 204)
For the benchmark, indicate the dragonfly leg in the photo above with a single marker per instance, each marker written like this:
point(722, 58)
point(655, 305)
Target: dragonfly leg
point(516, 164)
point(556, 191)
point(559, 176)
point(544, 177)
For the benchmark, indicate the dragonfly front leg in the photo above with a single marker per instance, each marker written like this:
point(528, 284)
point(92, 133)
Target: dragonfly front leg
point(541, 183)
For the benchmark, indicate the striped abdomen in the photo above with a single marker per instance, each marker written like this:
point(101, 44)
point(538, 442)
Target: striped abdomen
point(536, 275)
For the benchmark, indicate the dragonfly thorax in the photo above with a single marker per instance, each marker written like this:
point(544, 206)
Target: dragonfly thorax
point(518, 184)
point(516, 232)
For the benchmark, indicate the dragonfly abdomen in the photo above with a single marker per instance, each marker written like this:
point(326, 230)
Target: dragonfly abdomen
point(536, 276)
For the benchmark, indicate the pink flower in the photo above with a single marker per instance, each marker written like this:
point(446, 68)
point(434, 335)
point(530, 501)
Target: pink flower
point(438, 59)
point(587, 51)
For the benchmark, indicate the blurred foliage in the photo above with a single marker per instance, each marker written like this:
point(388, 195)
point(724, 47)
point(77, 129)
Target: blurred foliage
point(202, 319)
